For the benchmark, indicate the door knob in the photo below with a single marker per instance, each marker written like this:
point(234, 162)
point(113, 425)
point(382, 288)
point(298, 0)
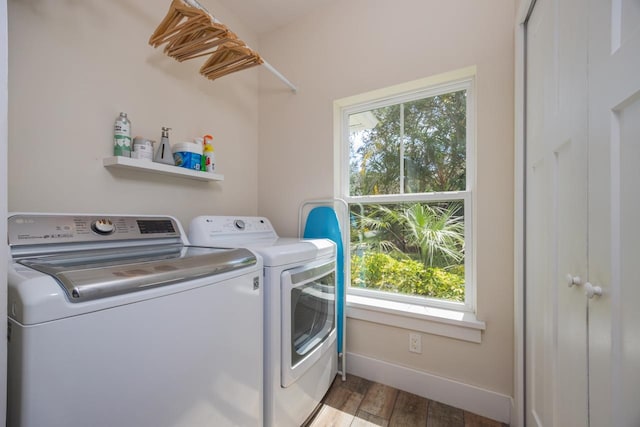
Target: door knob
point(573, 280)
point(590, 291)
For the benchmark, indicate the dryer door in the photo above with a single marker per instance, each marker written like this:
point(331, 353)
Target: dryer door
point(308, 317)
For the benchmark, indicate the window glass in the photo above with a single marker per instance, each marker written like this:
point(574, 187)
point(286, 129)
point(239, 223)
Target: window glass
point(435, 143)
point(409, 248)
point(408, 159)
point(413, 147)
point(312, 315)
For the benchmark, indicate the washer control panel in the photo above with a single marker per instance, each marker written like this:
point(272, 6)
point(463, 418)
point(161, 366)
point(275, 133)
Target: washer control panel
point(31, 229)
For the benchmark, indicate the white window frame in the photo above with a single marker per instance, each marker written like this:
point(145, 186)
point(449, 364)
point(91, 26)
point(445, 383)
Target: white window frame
point(449, 312)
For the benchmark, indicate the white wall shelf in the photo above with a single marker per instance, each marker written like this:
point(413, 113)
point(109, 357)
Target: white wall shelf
point(118, 162)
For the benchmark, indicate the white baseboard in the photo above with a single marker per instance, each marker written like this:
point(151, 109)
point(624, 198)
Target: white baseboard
point(464, 396)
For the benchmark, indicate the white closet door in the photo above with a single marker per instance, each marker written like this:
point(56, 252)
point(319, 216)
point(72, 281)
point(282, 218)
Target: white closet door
point(539, 308)
point(556, 214)
point(614, 210)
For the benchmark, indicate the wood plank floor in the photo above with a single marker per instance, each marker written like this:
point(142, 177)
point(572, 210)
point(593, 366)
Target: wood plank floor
point(357, 402)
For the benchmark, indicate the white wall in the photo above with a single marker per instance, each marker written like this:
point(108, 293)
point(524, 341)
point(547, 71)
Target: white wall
point(352, 47)
point(74, 65)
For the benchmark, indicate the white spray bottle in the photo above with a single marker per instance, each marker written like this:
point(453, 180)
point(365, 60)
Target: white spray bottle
point(164, 154)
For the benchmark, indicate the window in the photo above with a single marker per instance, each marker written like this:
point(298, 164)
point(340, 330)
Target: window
point(406, 173)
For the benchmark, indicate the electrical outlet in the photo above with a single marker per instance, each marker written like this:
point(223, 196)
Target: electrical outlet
point(415, 343)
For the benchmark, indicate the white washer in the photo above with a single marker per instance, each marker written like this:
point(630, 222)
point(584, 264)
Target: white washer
point(300, 311)
point(116, 321)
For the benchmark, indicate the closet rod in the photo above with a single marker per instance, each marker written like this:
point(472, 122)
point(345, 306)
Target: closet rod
point(278, 74)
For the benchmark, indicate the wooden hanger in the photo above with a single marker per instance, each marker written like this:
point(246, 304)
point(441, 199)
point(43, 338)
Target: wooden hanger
point(190, 32)
point(202, 42)
point(229, 58)
point(178, 19)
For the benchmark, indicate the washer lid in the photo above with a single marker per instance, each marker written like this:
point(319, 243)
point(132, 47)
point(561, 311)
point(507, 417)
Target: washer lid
point(90, 275)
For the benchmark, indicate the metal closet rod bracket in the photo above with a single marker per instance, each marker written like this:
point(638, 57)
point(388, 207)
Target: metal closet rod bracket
point(278, 74)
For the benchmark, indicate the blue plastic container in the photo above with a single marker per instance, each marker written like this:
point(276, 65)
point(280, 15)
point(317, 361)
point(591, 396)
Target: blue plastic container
point(187, 155)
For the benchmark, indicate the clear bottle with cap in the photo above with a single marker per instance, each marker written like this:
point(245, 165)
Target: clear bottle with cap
point(122, 136)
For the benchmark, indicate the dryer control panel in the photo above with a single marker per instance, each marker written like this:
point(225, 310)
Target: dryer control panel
point(212, 230)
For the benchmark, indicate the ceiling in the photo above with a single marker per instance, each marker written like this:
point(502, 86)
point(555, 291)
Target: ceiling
point(263, 16)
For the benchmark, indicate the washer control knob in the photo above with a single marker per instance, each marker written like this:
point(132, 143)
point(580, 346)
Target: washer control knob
point(239, 224)
point(103, 226)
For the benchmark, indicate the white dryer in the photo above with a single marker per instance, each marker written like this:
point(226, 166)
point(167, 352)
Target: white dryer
point(115, 321)
point(299, 316)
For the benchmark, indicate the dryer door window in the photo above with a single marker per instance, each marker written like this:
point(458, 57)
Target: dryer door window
point(308, 317)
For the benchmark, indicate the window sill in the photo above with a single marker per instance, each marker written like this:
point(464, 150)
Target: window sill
point(438, 321)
